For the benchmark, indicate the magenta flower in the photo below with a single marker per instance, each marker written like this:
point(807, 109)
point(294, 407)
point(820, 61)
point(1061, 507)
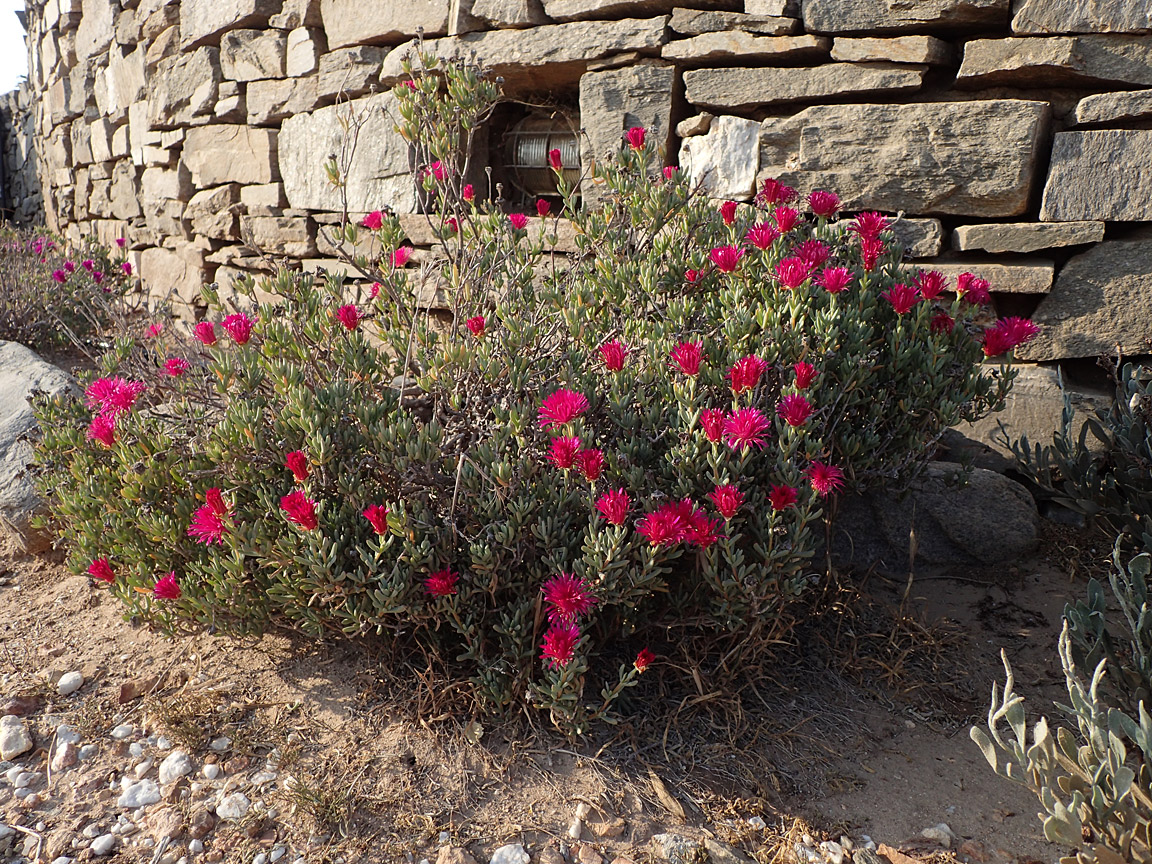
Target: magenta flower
point(782, 497)
point(868, 226)
point(929, 282)
point(1007, 334)
point(554, 159)
point(613, 354)
point(208, 525)
point(563, 452)
point(88, 264)
point(98, 277)
point(728, 212)
point(668, 524)
point(101, 571)
point(239, 327)
point(726, 258)
point(824, 204)
point(591, 464)
point(103, 429)
point(813, 253)
point(794, 409)
point(468, 193)
point(727, 499)
point(121, 242)
point(613, 506)
point(442, 583)
point(871, 248)
point(825, 479)
point(774, 192)
point(519, 221)
point(373, 221)
point(701, 530)
point(127, 268)
point(973, 289)
point(636, 137)
point(686, 356)
point(569, 597)
point(835, 279)
point(761, 235)
point(378, 516)
point(746, 427)
point(792, 272)
point(297, 463)
point(691, 276)
point(543, 207)
point(167, 588)
point(176, 366)
point(559, 645)
point(562, 407)
point(670, 171)
point(805, 375)
point(205, 331)
point(643, 660)
point(901, 297)
point(785, 218)
point(349, 316)
point(746, 372)
point(112, 396)
point(712, 422)
point(154, 329)
point(374, 291)
point(437, 170)
point(60, 276)
point(300, 510)
point(476, 325)
point(452, 225)
point(400, 256)
point(941, 323)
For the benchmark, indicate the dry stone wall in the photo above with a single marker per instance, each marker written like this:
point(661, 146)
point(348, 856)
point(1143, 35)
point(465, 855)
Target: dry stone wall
point(1013, 137)
point(20, 199)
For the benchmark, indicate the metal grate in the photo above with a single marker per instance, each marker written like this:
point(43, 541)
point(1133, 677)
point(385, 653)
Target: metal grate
point(526, 154)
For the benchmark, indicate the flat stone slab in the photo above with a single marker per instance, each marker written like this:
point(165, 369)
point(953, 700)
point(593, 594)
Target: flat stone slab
point(1081, 16)
point(1026, 236)
point(1100, 305)
point(1114, 107)
point(742, 88)
point(693, 22)
point(354, 22)
point(1033, 276)
point(847, 16)
point(961, 158)
point(583, 10)
point(1103, 174)
point(738, 45)
point(898, 49)
point(1057, 60)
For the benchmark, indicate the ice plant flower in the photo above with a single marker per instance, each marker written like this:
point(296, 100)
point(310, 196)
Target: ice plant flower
point(127, 268)
point(746, 427)
point(101, 570)
point(774, 192)
point(824, 204)
point(591, 463)
point(562, 407)
point(686, 356)
point(867, 226)
point(205, 331)
point(60, 276)
point(728, 212)
point(374, 291)
point(373, 221)
point(670, 171)
point(167, 588)
point(349, 316)
point(668, 524)
point(613, 354)
point(782, 497)
point(554, 159)
point(543, 207)
point(691, 276)
point(437, 170)
point(475, 325)
point(121, 242)
point(98, 277)
point(973, 289)
point(442, 583)
point(563, 452)
point(792, 272)
point(613, 506)
point(941, 323)
point(300, 510)
point(297, 463)
point(468, 193)
point(761, 235)
point(785, 218)
point(239, 327)
point(102, 429)
point(519, 221)
point(643, 660)
point(378, 516)
point(746, 372)
point(112, 395)
point(712, 422)
point(834, 279)
point(701, 530)
point(636, 137)
point(929, 282)
point(805, 374)
point(727, 499)
point(794, 409)
point(569, 597)
point(825, 479)
point(813, 253)
point(902, 297)
point(726, 258)
point(871, 248)
point(208, 525)
point(1007, 334)
point(559, 645)
point(176, 366)
point(154, 329)
point(88, 264)
point(400, 256)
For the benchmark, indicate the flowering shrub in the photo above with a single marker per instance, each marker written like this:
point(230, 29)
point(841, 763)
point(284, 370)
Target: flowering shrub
point(584, 454)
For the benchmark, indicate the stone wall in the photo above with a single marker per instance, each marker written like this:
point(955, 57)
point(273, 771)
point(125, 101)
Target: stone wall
point(1014, 136)
point(20, 199)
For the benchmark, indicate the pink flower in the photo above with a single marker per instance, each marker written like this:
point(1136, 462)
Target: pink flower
point(476, 325)
point(519, 221)
point(901, 297)
point(300, 510)
point(442, 583)
point(562, 407)
point(563, 452)
point(378, 516)
point(176, 366)
point(667, 525)
point(670, 171)
point(613, 506)
point(468, 193)
point(569, 596)
point(871, 248)
point(701, 530)
point(411, 85)
point(973, 289)
point(746, 427)
point(613, 354)
point(812, 252)
point(121, 242)
point(761, 235)
point(727, 499)
point(559, 645)
point(785, 218)
point(374, 291)
point(101, 570)
point(167, 588)
point(154, 329)
point(60, 276)
point(452, 225)
point(782, 497)
point(805, 375)
point(835, 279)
point(112, 395)
point(297, 463)
point(543, 207)
point(824, 204)
point(349, 316)
point(728, 212)
point(437, 170)
point(774, 192)
point(127, 268)
point(205, 331)
point(643, 660)
point(686, 356)
point(103, 429)
point(98, 277)
point(636, 137)
point(591, 463)
point(746, 372)
point(208, 525)
point(239, 327)
point(1008, 333)
point(88, 264)
point(794, 409)
point(792, 272)
point(554, 159)
point(373, 221)
point(929, 282)
point(712, 422)
point(726, 258)
point(867, 226)
point(941, 323)
point(691, 276)
point(400, 256)
point(825, 479)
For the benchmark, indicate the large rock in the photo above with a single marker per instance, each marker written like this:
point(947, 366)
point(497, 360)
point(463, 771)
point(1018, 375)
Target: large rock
point(921, 238)
point(898, 49)
point(1081, 16)
point(1026, 236)
point(96, 28)
point(346, 72)
point(379, 173)
point(249, 55)
point(725, 159)
point(21, 372)
point(231, 153)
point(1114, 107)
point(1100, 174)
point(575, 10)
point(738, 45)
point(204, 20)
point(847, 16)
point(509, 13)
point(1100, 305)
point(555, 55)
point(179, 271)
point(184, 87)
point(123, 81)
point(1079, 61)
point(959, 158)
point(294, 236)
point(745, 88)
point(693, 22)
point(352, 22)
point(14, 738)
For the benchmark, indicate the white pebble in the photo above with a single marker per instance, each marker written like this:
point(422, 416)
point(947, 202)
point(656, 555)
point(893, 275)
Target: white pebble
point(195, 847)
point(234, 807)
point(175, 765)
point(136, 749)
point(163, 742)
point(123, 731)
point(143, 768)
point(211, 771)
point(92, 831)
point(88, 751)
point(262, 777)
point(69, 683)
point(220, 744)
point(261, 858)
point(277, 853)
point(103, 845)
point(63, 859)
